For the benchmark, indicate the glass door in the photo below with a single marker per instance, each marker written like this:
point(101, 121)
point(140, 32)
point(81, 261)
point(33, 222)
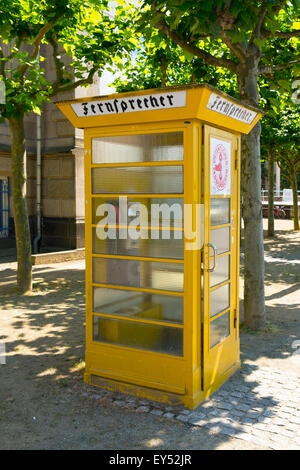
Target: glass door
point(220, 254)
point(135, 258)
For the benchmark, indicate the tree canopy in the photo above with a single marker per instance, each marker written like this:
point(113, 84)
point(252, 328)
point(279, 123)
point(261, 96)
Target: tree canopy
point(240, 37)
point(84, 31)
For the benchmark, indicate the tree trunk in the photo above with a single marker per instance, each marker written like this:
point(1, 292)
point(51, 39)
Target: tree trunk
point(271, 231)
point(293, 181)
point(22, 230)
point(254, 297)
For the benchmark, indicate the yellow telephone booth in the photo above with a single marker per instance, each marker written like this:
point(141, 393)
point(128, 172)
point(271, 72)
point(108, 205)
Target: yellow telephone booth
point(162, 172)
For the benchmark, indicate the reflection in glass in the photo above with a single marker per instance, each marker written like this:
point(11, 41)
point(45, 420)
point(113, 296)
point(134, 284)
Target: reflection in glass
point(137, 304)
point(136, 273)
point(170, 210)
point(219, 211)
point(221, 238)
point(138, 180)
point(142, 247)
point(219, 329)
point(138, 148)
point(219, 299)
point(156, 338)
point(221, 272)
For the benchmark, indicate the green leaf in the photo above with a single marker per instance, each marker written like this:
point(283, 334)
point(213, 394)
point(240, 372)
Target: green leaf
point(285, 84)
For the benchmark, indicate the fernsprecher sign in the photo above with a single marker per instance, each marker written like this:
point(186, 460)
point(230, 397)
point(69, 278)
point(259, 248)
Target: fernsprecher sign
point(221, 105)
point(131, 104)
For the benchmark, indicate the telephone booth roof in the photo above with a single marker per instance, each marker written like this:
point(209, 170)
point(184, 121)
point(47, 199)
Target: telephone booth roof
point(186, 102)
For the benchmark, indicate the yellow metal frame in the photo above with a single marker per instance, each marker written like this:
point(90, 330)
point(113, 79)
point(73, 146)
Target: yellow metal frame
point(196, 108)
point(222, 357)
point(149, 374)
point(152, 361)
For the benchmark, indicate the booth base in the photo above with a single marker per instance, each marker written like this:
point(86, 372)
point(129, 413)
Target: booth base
point(222, 379)
point(161, 396)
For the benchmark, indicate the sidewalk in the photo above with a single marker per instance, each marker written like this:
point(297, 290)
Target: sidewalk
point(45, 405)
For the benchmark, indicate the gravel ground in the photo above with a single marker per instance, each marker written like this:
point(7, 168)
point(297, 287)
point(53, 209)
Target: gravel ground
point(45, 405)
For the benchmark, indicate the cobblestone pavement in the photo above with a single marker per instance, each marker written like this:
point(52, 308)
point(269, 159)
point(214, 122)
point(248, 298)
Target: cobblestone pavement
point(45, 405)
point(260, 406)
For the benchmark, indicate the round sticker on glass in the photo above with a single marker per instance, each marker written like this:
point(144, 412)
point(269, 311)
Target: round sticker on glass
point(219, 167)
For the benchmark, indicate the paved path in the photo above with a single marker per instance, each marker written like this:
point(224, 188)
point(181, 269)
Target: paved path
point(44, 404)
point(259, 406)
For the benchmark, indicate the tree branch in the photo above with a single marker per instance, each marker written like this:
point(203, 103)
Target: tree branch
point(269, 69)
point(197, 37)
point(279, 6)
point(281, 34)
point(238, 49)
point(259, 30)
point(59, 65)
point(36, 44)
point(19, 41)
point(286, 161)
point(282, 167)
point(194, 50)
point(258, 27)
point(63, 88)
point(41, 34)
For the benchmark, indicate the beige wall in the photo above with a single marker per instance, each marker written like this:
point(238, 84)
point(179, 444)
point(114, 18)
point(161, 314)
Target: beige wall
point(58, 186)
point(62, 183)
point(57, 134)
point(4, 164)
point(62, 153)
point(62, 165)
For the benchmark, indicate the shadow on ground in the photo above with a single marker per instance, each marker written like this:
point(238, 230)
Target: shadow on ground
point(41, 400)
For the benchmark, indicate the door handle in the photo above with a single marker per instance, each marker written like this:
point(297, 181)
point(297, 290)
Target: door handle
point(211, 245)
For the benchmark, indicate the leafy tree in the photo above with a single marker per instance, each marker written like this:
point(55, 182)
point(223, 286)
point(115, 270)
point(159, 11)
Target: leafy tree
point(277, 98)
point(83, 30)
point(241, 37)
point(276, 90)
point(267, 151)
point(180, 67)
point(287, 144)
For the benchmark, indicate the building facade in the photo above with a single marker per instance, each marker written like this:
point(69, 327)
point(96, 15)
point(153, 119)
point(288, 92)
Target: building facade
point(62, 174)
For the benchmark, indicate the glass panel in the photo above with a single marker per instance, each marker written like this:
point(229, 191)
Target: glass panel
point(219, 211)
point(135, 273)
point(138, 148)
point(136, 304)
point(221, 272)
point(145, 248)
point(138, 180)
point(163, 339)
point(164, 212)
point(221, 238)
point(219, 329)
point(219, 299)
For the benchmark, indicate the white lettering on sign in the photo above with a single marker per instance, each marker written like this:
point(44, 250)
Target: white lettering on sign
point(131, 104)
point(221, 105)
point(220, 166)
